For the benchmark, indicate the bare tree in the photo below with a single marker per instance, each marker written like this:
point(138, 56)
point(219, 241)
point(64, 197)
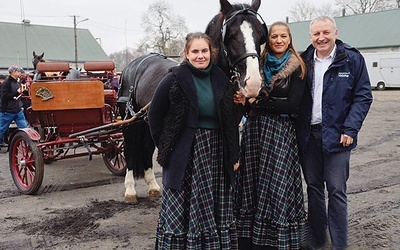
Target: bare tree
point(328, 10)
point(303, 10)
point(164, 30)
point(123, 57)
point(364, 6)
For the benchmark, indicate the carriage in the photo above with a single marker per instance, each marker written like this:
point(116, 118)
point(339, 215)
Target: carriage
point(68, 119)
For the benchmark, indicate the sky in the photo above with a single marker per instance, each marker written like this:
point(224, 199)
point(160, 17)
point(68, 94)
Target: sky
point(116, 24)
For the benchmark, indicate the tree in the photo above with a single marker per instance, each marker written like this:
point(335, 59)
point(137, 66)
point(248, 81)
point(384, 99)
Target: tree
point(164, 30)
point(123, 58)
point(364, 6)
point(303, 10)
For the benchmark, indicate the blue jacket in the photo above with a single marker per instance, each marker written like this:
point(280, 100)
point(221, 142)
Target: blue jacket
point(346, 98)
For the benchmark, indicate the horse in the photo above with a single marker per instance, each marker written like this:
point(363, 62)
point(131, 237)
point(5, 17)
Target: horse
point(72, 74)
point(238, 32)
point(36, 59)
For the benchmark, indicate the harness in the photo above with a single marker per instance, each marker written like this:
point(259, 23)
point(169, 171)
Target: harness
point(130, 105)
point(232, 64)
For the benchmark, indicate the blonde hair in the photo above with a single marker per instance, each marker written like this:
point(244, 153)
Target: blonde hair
point(268, 49)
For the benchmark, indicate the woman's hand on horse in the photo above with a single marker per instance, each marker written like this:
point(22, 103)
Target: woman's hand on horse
point(239, 98)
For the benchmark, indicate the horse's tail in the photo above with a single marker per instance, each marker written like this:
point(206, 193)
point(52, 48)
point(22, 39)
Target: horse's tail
point(138, 148)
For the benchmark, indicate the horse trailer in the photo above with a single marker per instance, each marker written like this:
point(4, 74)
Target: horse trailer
point(383, 69)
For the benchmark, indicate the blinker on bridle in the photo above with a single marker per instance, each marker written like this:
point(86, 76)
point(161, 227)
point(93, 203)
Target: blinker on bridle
point(245, 11)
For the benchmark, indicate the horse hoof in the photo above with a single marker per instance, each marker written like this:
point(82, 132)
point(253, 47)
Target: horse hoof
point(132, 199)
point(154, 193)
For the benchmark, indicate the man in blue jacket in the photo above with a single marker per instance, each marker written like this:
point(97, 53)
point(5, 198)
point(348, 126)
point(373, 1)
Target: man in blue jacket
point(331, 115)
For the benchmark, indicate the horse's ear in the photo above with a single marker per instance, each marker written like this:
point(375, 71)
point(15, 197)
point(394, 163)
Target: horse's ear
point(34, 54)
point(42, 55)
point(255, 4)
point(226, 7)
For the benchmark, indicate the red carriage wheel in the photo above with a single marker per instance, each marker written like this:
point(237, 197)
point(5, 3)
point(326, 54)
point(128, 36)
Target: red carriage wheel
point(26, 163)
point(114, 157)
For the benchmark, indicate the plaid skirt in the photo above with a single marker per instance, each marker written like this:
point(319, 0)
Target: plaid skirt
point(269, 204)
point(200, 215)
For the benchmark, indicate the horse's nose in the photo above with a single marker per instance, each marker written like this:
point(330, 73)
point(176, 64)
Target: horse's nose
point(252, 86)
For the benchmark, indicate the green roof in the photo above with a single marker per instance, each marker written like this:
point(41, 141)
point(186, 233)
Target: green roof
point(362, 31)
point(18, 41)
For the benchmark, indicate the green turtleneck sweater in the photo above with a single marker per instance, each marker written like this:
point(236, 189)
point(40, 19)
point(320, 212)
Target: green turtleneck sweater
point(208, 117)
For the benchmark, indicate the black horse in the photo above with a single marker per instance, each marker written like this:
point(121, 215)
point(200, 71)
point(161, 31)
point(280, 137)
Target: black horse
point(238, 32)
point(72, 74)
point(36, 59)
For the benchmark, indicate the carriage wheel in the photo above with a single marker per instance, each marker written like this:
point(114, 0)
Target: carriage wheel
point(114, 157)
point(26, 163)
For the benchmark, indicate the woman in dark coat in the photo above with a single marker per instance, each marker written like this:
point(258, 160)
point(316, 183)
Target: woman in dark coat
point(194, 125)
point(269, 202)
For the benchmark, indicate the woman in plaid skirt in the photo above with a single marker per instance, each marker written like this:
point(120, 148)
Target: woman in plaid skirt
point(193, 123)
point(269, 206)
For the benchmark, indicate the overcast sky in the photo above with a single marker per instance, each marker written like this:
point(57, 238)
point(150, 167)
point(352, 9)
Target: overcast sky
point(116, 24)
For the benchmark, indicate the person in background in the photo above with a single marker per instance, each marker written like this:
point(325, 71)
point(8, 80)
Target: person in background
point(194, 124)
point(4, 142)
point(115, 81)
point(334, 106)
point(269, 204)
point(26, 81)
point(11, 105)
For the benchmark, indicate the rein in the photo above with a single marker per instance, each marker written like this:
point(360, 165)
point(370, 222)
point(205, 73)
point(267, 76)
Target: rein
point(130, 108)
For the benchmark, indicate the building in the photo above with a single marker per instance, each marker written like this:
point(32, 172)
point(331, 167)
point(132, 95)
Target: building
point(19, 40)
point(369, 32)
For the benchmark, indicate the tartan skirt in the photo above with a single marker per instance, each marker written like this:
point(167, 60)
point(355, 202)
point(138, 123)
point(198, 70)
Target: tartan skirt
point(200, 215)
point(269, 203)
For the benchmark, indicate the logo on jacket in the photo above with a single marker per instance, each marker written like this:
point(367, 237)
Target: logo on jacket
point(44, 93)
point(344, 74)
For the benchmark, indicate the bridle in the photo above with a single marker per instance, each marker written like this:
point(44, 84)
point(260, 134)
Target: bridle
point(231, 16)
point(234, 72)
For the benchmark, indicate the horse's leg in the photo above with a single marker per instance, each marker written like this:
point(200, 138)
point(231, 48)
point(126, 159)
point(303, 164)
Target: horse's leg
point(130, 192)
point(148, 151)
point(150, 179)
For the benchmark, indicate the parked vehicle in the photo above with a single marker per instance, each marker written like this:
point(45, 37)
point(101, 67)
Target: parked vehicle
point(383, 69)
point(68, 118)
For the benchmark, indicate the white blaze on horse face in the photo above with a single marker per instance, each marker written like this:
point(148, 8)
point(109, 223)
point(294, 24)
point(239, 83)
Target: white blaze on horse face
point(252, 78)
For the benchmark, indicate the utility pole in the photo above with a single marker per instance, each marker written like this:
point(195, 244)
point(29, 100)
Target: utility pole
point(76, 39)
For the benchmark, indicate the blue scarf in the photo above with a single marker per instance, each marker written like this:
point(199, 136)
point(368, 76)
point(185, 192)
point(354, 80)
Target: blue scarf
point(273, 65)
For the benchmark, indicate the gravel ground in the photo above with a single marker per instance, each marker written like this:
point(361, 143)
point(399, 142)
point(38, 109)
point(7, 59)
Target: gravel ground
point(80, 204)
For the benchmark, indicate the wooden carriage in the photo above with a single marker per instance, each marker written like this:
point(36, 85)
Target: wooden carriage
point(60, 108)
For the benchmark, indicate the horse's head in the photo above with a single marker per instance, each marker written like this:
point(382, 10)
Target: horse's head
point(36, 59)
point(239, 31)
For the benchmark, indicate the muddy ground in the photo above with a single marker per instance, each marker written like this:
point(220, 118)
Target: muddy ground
point(80, 203)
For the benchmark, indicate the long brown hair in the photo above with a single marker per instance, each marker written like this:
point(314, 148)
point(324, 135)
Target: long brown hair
point(268, 49)
point(198, 35)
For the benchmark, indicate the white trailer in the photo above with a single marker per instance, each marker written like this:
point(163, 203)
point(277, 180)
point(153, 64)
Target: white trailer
point(383, 69)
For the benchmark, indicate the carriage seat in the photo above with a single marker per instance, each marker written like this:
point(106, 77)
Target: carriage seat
point(99, 66)
point(52, 70)
point(100, 70)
